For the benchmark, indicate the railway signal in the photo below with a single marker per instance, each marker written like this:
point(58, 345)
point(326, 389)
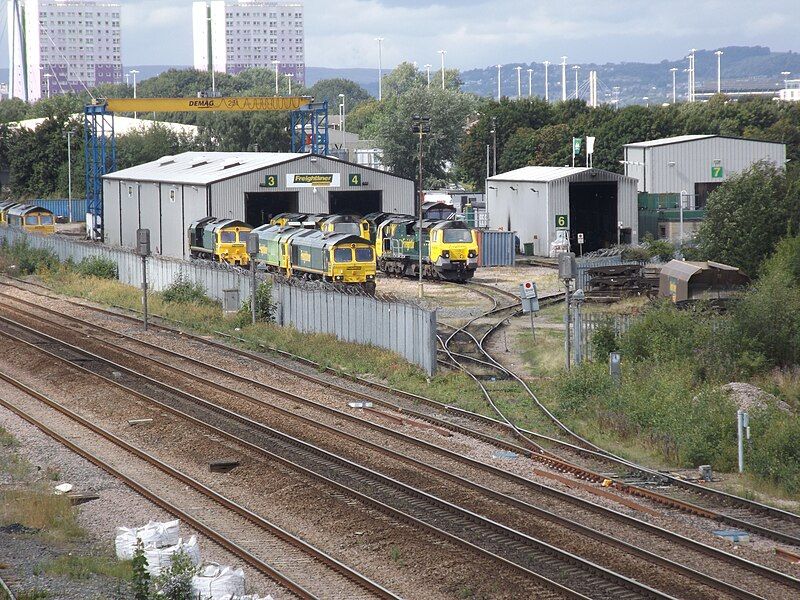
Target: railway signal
point(530, 301)
point(252, 250)
point(143, 250)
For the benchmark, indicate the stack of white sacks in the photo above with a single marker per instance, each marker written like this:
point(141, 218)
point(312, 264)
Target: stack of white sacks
point(162, 540)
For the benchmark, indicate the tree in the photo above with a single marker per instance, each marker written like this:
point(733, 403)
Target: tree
point(12, 110)
point(447, 111)
point(549, 146)
point(354, 94)
point(747, 216)
point(150, 144)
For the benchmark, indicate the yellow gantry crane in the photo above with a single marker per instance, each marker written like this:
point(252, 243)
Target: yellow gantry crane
point(309, 132)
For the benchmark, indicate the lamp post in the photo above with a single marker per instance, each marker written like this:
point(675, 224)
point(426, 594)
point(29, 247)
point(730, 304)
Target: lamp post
point(428, 70)
point(494, 145)
point(546, 83)
point(719, 54)
point(576, 68)
point(380, 68)
point(420, 126)
point(674, 97)
point(276, 63)
point(69, 175)
point(442, 53)
point(341, 123)
point(47, 77)
point(498, 82)
point(530, 83)
point(289, 77)
point(519, 83)
point(134, 73)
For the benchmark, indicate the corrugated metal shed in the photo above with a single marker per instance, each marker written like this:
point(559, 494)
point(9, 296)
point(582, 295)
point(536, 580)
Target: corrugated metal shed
point(527, 201)
point(686, 280)
point(694, 163)
point(167, 194)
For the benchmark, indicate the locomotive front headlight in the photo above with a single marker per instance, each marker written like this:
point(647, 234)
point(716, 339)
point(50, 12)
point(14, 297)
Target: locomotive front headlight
point(446, 253)
point(370, 276)
point(472, 254)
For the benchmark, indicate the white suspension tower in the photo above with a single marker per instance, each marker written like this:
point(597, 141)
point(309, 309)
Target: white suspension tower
point(563, 78)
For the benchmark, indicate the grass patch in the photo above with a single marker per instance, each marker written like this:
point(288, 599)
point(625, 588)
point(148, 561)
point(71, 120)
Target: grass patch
point(12, 465)
point(545, 356)
point(83, 567)
point(33, 594)
point(204, 316)
point(52, 515)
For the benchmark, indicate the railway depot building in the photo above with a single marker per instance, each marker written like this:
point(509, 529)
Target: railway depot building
point(537, 202)
point(168, 194)
point(686, 169)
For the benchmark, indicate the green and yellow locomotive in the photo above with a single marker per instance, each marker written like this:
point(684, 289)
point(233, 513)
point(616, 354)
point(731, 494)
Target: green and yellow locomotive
point(220, 240)
point(449, 249)
point(314, 254)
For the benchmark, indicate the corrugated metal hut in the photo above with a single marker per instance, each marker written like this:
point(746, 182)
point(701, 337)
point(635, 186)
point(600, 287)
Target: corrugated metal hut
point(685, 280)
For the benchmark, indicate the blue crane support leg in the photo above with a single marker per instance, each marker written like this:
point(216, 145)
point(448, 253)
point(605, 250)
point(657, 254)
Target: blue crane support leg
point(100, 157)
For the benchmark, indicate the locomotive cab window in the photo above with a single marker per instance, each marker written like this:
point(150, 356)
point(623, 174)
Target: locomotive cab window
point(454, 236)
point(46, 219)
point(243, 235)
point(351, 228)
point(364, 255)
point(31, 220)
point(227, 237)
point(341, 255)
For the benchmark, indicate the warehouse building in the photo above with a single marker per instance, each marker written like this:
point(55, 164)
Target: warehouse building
point(166, 195)
point(536, 202)
point(685, 170)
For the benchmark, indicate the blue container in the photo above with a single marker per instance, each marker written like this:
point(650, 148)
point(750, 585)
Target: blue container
point(60, 207)
point(496, 248)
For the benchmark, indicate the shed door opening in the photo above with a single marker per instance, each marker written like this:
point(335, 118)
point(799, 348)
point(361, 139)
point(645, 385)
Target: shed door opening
point(260, 207)
point(355, 202)
point(593, 212)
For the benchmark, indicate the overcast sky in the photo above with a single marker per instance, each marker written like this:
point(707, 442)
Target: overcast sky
point(479, 33)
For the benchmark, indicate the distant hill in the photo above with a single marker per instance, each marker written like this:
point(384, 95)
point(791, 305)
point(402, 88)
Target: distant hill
point(751, 67)
point(743, 68)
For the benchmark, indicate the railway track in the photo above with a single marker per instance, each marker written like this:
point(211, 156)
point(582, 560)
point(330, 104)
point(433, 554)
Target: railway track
point(529, 557)
point(694, 546)
point(302, 565)
point(573, 453)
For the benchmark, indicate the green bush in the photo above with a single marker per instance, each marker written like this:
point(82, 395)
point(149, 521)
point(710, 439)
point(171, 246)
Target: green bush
point(185, 291)
point(29, 260)
point(775, 450)
point(663, 250)
point(604, 341)
point(265, 308)
point(97, 266)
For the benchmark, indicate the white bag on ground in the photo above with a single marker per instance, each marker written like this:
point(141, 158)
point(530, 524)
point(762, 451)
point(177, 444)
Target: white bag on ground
point(215, 581)
point(154, 534)
point(247, 597)
point(160, 559)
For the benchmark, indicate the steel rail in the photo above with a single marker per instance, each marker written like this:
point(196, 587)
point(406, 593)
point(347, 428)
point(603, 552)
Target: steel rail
point(152, 496)
point(482, 419)
point(600, 575)
point(591, 449)
point(687, 542)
